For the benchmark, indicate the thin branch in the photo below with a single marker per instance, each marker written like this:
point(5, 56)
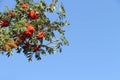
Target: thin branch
point(50, 43)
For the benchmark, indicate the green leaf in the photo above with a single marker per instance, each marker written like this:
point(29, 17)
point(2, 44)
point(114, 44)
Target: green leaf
point(42, 5)
point(37, 56)
point(64, 40)
point(52, 5)
point(43, 52)
point(62, 10)
point(66, 24)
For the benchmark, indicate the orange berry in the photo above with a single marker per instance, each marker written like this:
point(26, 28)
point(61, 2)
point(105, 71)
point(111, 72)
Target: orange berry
point(24, 6)
point(33, 14)
point(30, 29)
point(27, 33)
point(16, 43)
point(40, 35)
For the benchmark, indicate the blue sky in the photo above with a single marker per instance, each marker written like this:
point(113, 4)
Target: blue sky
point(94, 51)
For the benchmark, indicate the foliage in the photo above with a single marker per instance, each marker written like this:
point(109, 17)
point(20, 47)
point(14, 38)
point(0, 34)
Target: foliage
point(28, 29)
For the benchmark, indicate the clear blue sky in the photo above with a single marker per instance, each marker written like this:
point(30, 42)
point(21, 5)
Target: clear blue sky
point(94, 51)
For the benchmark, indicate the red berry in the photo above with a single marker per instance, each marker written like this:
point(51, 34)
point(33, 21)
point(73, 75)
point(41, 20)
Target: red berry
point(40, 35)
point(4, 23)
point(33, 14)
point(24, 6)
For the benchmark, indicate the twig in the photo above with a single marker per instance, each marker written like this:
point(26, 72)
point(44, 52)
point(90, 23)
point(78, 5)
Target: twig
point(52, 42)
